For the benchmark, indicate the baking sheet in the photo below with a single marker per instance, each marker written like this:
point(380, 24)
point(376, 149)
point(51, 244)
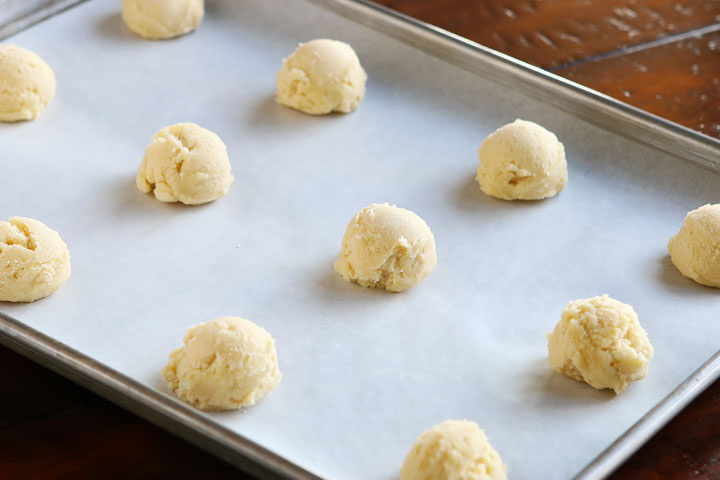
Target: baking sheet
point(11, 10)
point(364, 371)
point(15, 15)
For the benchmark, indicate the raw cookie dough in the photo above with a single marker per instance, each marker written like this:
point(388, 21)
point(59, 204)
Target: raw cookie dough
point(600, 341)
point(386, 247)
point(34, 261)
point(226, 363)
point(522, 161)
point(695, 250)
point(185, 163)
point(453, 450)
point(160, 19)
point(320, 77)
point(27, 84)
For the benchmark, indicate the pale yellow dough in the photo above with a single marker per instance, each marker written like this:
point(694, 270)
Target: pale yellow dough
point(320, 77)
point(522, 161)
point(185, 163)
point(453, 450)
point(34, 261)
point(160, 19)
point(27, 84)
point(386, 247)
point(695, 249)
point(226, 363)
point(600, 341)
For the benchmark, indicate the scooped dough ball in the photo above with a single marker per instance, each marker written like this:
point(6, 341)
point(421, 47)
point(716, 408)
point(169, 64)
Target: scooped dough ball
point(386, 247)
point(226, 363)
point(522, 161)
point(453, 450)
point(27, 84)
point(320, 77)
point(160, 19)
point(34, 261)
point(185, 163)
point(695, 250)
point(600, 341)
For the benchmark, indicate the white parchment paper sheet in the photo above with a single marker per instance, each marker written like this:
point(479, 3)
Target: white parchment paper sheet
point(365, 371)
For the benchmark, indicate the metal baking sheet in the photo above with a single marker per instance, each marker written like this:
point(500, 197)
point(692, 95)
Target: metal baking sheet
point(16, 15)
point(364, 371)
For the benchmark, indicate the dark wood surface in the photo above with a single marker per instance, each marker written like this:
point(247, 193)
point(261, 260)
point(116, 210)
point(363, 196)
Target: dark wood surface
point(678, 80)
point(52, 429)
point(662, 56)
point(549, 33)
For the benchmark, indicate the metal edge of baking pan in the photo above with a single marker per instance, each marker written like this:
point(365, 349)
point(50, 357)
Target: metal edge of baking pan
point(196, 428)
point(651, 422)
point(592, 106)
point(168, 413)
point(37, 16)
point(588, 104)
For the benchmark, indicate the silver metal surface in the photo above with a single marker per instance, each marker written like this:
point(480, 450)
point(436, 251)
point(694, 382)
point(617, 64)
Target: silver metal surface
point(17, 15)
point(583, 102)
point(653, 421)
point(170, 414)
point(587, 104)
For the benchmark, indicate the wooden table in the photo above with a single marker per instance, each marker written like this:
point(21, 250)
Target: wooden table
point(660, 55)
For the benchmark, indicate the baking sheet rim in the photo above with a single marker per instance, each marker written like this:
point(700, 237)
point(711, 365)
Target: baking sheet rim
point(600, 110)
point(142, 400)
point(37, 16)
point(585, 103)
point(238, 450)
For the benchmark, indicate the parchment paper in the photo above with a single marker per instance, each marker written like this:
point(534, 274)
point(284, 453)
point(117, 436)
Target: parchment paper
point(365, 371)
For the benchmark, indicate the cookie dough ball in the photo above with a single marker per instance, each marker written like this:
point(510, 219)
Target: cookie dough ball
point(320, 77)
point(600, 341)
point(522, 161)
point(695, 250)
point(226, 363)
point(160, 19)
point(453, 450)
point(34, 261)
point(185, 163)
point(386, 247)
point(27, 84)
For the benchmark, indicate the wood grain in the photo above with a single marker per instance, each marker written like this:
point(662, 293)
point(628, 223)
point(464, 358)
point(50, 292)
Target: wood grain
point(679, 81)
point(586, 42)
point(53, 429)
point(688, 447)
point(549, 33)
